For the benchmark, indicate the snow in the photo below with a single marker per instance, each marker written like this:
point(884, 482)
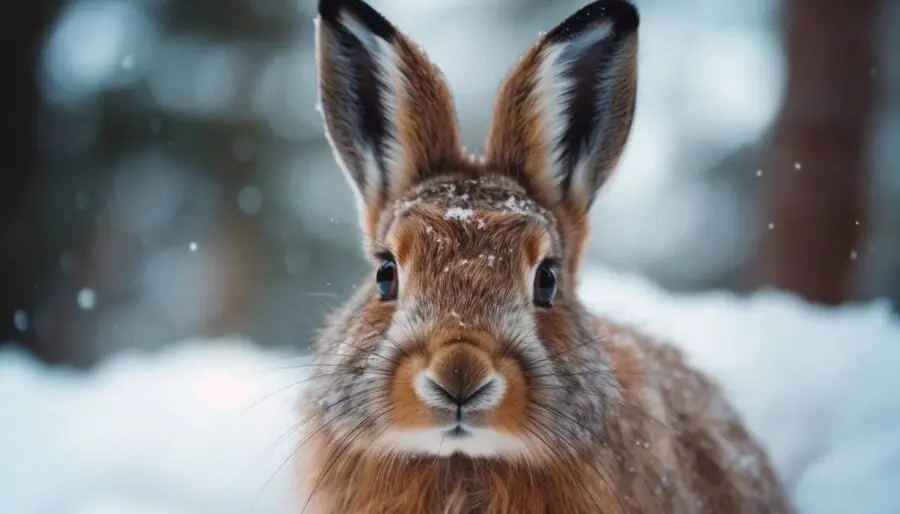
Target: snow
point(458, 213)
point(87, 299)
point(203, 427)
point(20, 320)
point(250, 199)
point(818, 385)
point(188, 431)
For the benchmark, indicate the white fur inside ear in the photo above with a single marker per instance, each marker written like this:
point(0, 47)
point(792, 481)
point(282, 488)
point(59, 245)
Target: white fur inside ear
point(555, 86)
point(387, 67)
point(381, 58)
point(335, 150)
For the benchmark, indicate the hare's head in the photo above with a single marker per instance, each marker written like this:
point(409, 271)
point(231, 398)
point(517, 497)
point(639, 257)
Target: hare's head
point(469, 338)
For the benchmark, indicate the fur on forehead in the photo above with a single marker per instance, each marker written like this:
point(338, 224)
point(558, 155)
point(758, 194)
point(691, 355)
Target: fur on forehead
point(489, 208)
point(460, 195)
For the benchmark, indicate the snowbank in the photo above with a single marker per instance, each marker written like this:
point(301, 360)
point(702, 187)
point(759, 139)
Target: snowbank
point(819, 386)
point(189, 431)
point(200, 429)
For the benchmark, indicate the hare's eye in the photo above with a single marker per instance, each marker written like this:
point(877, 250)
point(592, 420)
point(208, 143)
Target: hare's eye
point(386, 280)
point(544, 285)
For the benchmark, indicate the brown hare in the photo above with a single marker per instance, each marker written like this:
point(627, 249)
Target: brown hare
point(466, 376)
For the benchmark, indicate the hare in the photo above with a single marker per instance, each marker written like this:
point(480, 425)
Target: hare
point(466, 376)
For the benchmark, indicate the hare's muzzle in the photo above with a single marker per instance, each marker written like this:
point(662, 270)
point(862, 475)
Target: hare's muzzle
point(459, 382)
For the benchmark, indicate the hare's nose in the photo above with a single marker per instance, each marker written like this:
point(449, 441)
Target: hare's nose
point(460, 378)
point(485, 397)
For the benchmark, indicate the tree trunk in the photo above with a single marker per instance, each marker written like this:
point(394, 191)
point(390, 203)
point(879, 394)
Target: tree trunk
point(23, 26)
point(816, 205)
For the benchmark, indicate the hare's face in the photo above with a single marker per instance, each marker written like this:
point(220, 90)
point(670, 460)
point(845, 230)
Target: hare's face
point(477, 273)
point(469, 338)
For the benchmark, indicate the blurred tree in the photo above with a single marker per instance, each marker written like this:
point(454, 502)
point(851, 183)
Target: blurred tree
point(86, 231)
point(819, 160)
point(23, 26)
point(109, 260)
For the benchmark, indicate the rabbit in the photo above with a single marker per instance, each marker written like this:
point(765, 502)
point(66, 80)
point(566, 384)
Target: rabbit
point(465, 376)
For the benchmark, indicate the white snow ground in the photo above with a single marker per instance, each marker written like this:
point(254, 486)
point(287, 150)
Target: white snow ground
point(196, 429)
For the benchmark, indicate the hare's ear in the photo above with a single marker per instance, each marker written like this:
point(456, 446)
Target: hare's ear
point(388, 113)
point(565, 111)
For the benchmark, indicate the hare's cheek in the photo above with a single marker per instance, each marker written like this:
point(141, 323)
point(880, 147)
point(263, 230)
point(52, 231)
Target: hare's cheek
point(510, 415)
point(408, 412)
point(555, 329)
point(378, 314)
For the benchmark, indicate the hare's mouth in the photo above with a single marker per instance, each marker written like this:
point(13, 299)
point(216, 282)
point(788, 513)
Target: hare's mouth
point(455, 439)
point(458, 431)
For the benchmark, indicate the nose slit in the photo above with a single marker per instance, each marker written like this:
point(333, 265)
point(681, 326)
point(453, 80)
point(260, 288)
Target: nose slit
point(482, 392)
point(440, 391)
point(472, 401)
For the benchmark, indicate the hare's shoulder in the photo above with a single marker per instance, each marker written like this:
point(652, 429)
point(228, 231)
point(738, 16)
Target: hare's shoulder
point(690, 429)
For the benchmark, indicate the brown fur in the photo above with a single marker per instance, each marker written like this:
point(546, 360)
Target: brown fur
point(426, 120)
point(675, 447)
point(593, 417)
point(672, 444)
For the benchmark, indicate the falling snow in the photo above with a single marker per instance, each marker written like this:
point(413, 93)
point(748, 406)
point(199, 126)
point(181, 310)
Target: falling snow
point(87, 299)
point(193, 246)
point(250, 200)
point(20, 320)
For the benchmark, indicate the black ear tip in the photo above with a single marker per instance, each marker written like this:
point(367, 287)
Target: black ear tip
point(622, 13)
point(330, 12)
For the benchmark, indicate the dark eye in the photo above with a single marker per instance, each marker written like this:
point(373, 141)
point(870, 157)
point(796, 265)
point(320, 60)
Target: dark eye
point(386, 280)
point(544, 285)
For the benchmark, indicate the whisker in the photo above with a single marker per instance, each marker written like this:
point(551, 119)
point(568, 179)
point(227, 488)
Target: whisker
point(555, 355)
point(581, 485)
point(342, 447)
point(612, 399)
point(299, 424)
point(384, 336)
point(322, 294)
point(297, 449)
point(565, 440)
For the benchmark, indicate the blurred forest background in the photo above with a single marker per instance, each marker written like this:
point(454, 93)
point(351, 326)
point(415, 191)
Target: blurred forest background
point(165, 173)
